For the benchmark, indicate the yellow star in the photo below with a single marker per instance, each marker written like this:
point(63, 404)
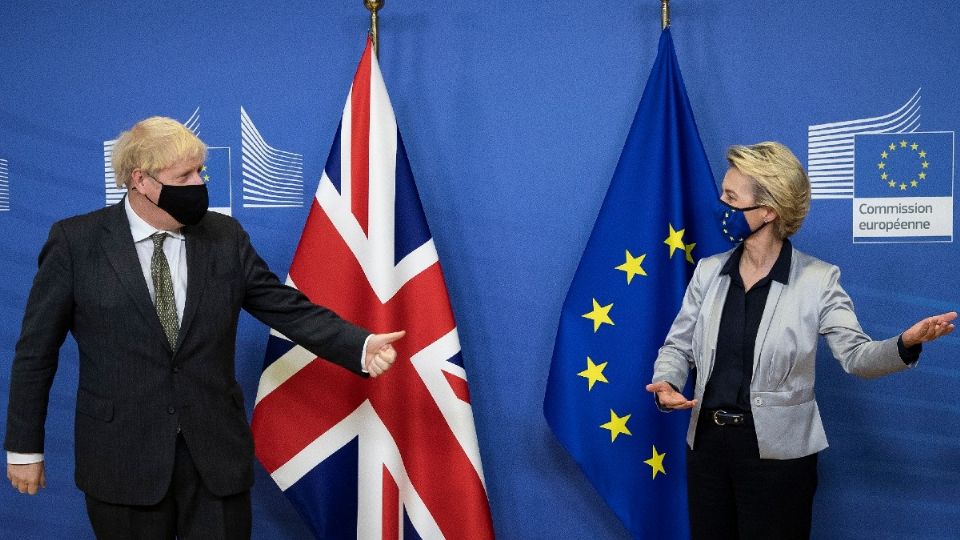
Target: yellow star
point(884, 154)
point(925, 164)
point(617, 425)
point(632, 266)
point(675, 240)
point(599, 315)
point(892, 146)
point(922, 175)
point(902, 186)
point(593, 373)
point(204, 167)
point(883, 176)
point(206, 178)
point(914, 146)
point(689, 249)
point(923, 153)
point(903, 144)
point(656, 462)
point(881, 165)
point(892, 183)
point(913, 183)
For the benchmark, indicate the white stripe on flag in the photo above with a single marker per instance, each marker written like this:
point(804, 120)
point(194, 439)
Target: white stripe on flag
point(383, 185)
point(430, 363)
point(384, 282)
point(346, 134)
point(376, 449)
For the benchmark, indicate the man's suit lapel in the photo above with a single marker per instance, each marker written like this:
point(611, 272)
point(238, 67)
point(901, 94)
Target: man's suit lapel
point(118, 246)
point(198, 261)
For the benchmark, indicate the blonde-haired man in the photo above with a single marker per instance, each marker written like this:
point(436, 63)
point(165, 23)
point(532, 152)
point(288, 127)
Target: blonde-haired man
point(151, 289)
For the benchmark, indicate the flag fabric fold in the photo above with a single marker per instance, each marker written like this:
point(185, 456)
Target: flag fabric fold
point(656, 221)
point(392, 457)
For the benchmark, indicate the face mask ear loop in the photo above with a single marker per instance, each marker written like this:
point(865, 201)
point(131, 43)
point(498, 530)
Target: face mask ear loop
point(145, 175)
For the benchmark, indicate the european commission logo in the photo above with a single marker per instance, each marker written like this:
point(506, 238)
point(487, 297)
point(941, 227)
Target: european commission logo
point(899, 178)
point(4, 186)
point(217, 172)
point(272, 178)
point(903, 187)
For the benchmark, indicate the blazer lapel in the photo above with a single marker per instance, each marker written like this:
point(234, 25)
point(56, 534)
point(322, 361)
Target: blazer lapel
point(769, 309)
point(717, 298)
point(198, 261)
point(118, 246)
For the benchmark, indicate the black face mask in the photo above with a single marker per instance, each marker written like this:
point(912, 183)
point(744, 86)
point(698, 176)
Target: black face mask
point(186, 204)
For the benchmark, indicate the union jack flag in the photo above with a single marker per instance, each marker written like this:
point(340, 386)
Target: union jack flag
point(397, 456)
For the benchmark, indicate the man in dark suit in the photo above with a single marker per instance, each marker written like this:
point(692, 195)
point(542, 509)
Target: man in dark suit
point(151, 289)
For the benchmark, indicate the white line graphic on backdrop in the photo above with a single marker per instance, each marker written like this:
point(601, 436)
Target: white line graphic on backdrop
point(4, 186)
point(272, 178)
point(830, 147)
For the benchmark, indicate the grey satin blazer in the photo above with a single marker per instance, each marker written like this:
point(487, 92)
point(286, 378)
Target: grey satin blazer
point(782, 400)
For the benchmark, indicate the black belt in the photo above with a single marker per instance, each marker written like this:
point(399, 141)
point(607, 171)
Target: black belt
point(724, 418)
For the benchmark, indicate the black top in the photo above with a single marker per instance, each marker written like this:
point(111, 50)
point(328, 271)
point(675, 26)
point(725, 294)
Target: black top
point(729, 384)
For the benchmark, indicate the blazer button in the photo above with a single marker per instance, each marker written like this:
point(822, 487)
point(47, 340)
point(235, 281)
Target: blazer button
point(171, 410)
point(758, 401)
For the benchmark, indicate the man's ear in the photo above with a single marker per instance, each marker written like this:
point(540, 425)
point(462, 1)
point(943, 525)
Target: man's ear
point(136, 179)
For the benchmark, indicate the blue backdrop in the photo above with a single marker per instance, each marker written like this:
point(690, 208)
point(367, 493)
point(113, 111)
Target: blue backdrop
point(513, 115)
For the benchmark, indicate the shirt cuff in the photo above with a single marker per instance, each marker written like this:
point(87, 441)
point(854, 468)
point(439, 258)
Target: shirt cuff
point(363, 353)
point(909, 355)
point(15, 458)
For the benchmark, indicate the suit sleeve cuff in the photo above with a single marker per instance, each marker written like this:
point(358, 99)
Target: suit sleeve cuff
point(363, 353)
point(909, 355)
point(15, 458)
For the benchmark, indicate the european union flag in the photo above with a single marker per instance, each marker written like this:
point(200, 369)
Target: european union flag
point(216, 173)
point(918, 164)
point(657, 219)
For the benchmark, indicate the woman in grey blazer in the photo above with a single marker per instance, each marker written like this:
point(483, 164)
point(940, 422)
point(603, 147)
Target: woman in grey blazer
point(749, 325)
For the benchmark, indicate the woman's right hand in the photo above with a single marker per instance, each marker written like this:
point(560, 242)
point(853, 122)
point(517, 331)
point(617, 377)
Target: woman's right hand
point(668, 397)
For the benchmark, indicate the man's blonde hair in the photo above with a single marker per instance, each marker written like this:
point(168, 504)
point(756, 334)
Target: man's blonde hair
point(152, 145)
point(779, 182)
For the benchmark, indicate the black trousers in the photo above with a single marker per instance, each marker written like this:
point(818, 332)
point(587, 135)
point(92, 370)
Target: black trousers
point(733, 494)
point(188, 511)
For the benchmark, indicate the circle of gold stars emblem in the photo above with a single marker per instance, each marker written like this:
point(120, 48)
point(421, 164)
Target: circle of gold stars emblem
point(902, 184)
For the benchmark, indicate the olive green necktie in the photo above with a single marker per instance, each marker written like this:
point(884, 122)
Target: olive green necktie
point(163, 288)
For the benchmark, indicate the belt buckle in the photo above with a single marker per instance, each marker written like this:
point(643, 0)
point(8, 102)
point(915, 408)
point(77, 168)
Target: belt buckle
point(734, 419)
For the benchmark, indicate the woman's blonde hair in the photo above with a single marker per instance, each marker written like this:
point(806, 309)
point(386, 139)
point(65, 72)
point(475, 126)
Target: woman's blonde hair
point(153, 145)
point(779, 182)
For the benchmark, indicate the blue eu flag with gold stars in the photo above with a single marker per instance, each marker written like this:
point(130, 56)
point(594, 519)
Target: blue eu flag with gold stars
point(657, 220)
point(216, 173)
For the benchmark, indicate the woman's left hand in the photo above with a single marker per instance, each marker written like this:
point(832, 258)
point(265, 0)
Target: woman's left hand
point(929, 329)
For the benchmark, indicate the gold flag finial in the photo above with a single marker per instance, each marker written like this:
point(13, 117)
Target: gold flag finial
point(374, 6)
point(664, 14)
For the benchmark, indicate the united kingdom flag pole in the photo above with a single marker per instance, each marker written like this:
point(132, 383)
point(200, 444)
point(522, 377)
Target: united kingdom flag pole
point(374, 6)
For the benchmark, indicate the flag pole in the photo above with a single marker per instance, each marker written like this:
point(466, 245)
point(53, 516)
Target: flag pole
point(374, 6)
point(664, 14)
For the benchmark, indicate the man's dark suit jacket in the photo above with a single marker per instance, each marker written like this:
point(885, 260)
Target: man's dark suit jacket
point(134, 390)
